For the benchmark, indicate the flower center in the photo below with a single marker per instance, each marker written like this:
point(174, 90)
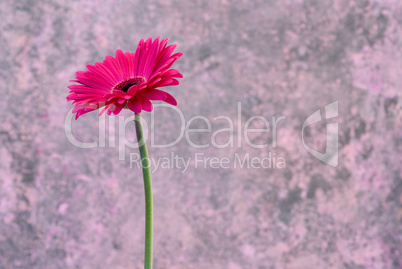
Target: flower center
point(127, 83)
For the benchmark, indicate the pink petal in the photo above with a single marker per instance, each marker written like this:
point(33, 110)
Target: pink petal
point(93, 82)
point(107, 73)
point(162, 45)
point(142, 86)
point(145, 104)
point(134, 105)
point(175, 82)
point(154, 94)
point(95, 72)
point(154, 82)
point(121, 60)
point(164, 56)
point(132, 90)
point(112, 65)
point(143, 57)
point(174, 58)
point(112, 107)
point(103, 111)
point(170, 99)
point(119, 107)
point(137, 56)
point(164, 82)
point(150, 63)
point(130, 63)
point(172, 73)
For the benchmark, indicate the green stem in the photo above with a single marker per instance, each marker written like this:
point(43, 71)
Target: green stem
point(148, 192)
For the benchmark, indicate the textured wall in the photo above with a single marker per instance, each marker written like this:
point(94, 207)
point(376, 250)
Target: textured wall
point(63, 206)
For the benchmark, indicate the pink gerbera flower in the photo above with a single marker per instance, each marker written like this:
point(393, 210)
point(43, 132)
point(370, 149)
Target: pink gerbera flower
point(128, 80)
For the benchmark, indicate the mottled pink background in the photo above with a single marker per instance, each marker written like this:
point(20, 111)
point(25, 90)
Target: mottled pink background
point(66, 207)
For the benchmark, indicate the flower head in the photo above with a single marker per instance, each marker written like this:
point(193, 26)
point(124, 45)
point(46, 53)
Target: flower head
point(128, 80)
